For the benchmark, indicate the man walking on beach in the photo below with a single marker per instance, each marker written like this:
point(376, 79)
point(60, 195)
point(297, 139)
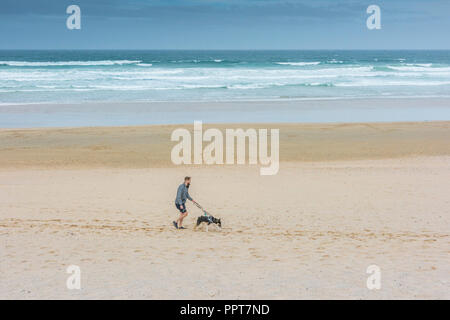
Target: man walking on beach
point(180, 202)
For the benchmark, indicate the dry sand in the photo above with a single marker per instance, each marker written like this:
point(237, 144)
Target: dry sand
point(346, 197)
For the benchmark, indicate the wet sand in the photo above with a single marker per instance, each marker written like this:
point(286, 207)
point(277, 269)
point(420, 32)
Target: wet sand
point(150, 146)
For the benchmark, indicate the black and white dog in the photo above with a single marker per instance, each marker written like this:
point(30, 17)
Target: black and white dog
point(208, 220)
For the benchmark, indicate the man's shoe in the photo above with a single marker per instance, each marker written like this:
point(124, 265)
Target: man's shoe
point(175, 224)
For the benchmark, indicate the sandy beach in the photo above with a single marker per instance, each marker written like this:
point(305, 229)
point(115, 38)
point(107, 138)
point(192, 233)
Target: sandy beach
point(346, 196)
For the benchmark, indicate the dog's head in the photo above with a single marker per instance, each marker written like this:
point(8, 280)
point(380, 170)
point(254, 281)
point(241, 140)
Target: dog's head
point(217, 221)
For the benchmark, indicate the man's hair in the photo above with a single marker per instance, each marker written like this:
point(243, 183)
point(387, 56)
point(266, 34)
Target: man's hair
point(187, 178)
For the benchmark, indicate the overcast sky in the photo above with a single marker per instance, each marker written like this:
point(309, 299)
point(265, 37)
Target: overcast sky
point(224, 24)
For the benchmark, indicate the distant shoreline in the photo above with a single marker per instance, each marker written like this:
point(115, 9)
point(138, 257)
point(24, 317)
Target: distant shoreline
point(288, 111)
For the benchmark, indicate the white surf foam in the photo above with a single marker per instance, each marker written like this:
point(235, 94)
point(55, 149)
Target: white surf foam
point(68, 63)
point(299, 63)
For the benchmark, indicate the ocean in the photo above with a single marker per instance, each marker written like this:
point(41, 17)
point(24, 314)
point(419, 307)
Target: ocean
point(29, 77)
point(107, 88)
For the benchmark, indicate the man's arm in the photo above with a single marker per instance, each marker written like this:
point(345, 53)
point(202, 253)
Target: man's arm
point(189, 196)
point(178, 199)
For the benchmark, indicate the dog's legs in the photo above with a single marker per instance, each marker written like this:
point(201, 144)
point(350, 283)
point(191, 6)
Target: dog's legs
point(207, 227)
point(196, 224)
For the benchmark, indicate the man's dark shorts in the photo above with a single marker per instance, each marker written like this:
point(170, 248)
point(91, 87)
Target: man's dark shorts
point(179, 208)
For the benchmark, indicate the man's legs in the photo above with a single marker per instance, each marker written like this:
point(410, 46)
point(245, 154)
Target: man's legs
point(180, 219)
